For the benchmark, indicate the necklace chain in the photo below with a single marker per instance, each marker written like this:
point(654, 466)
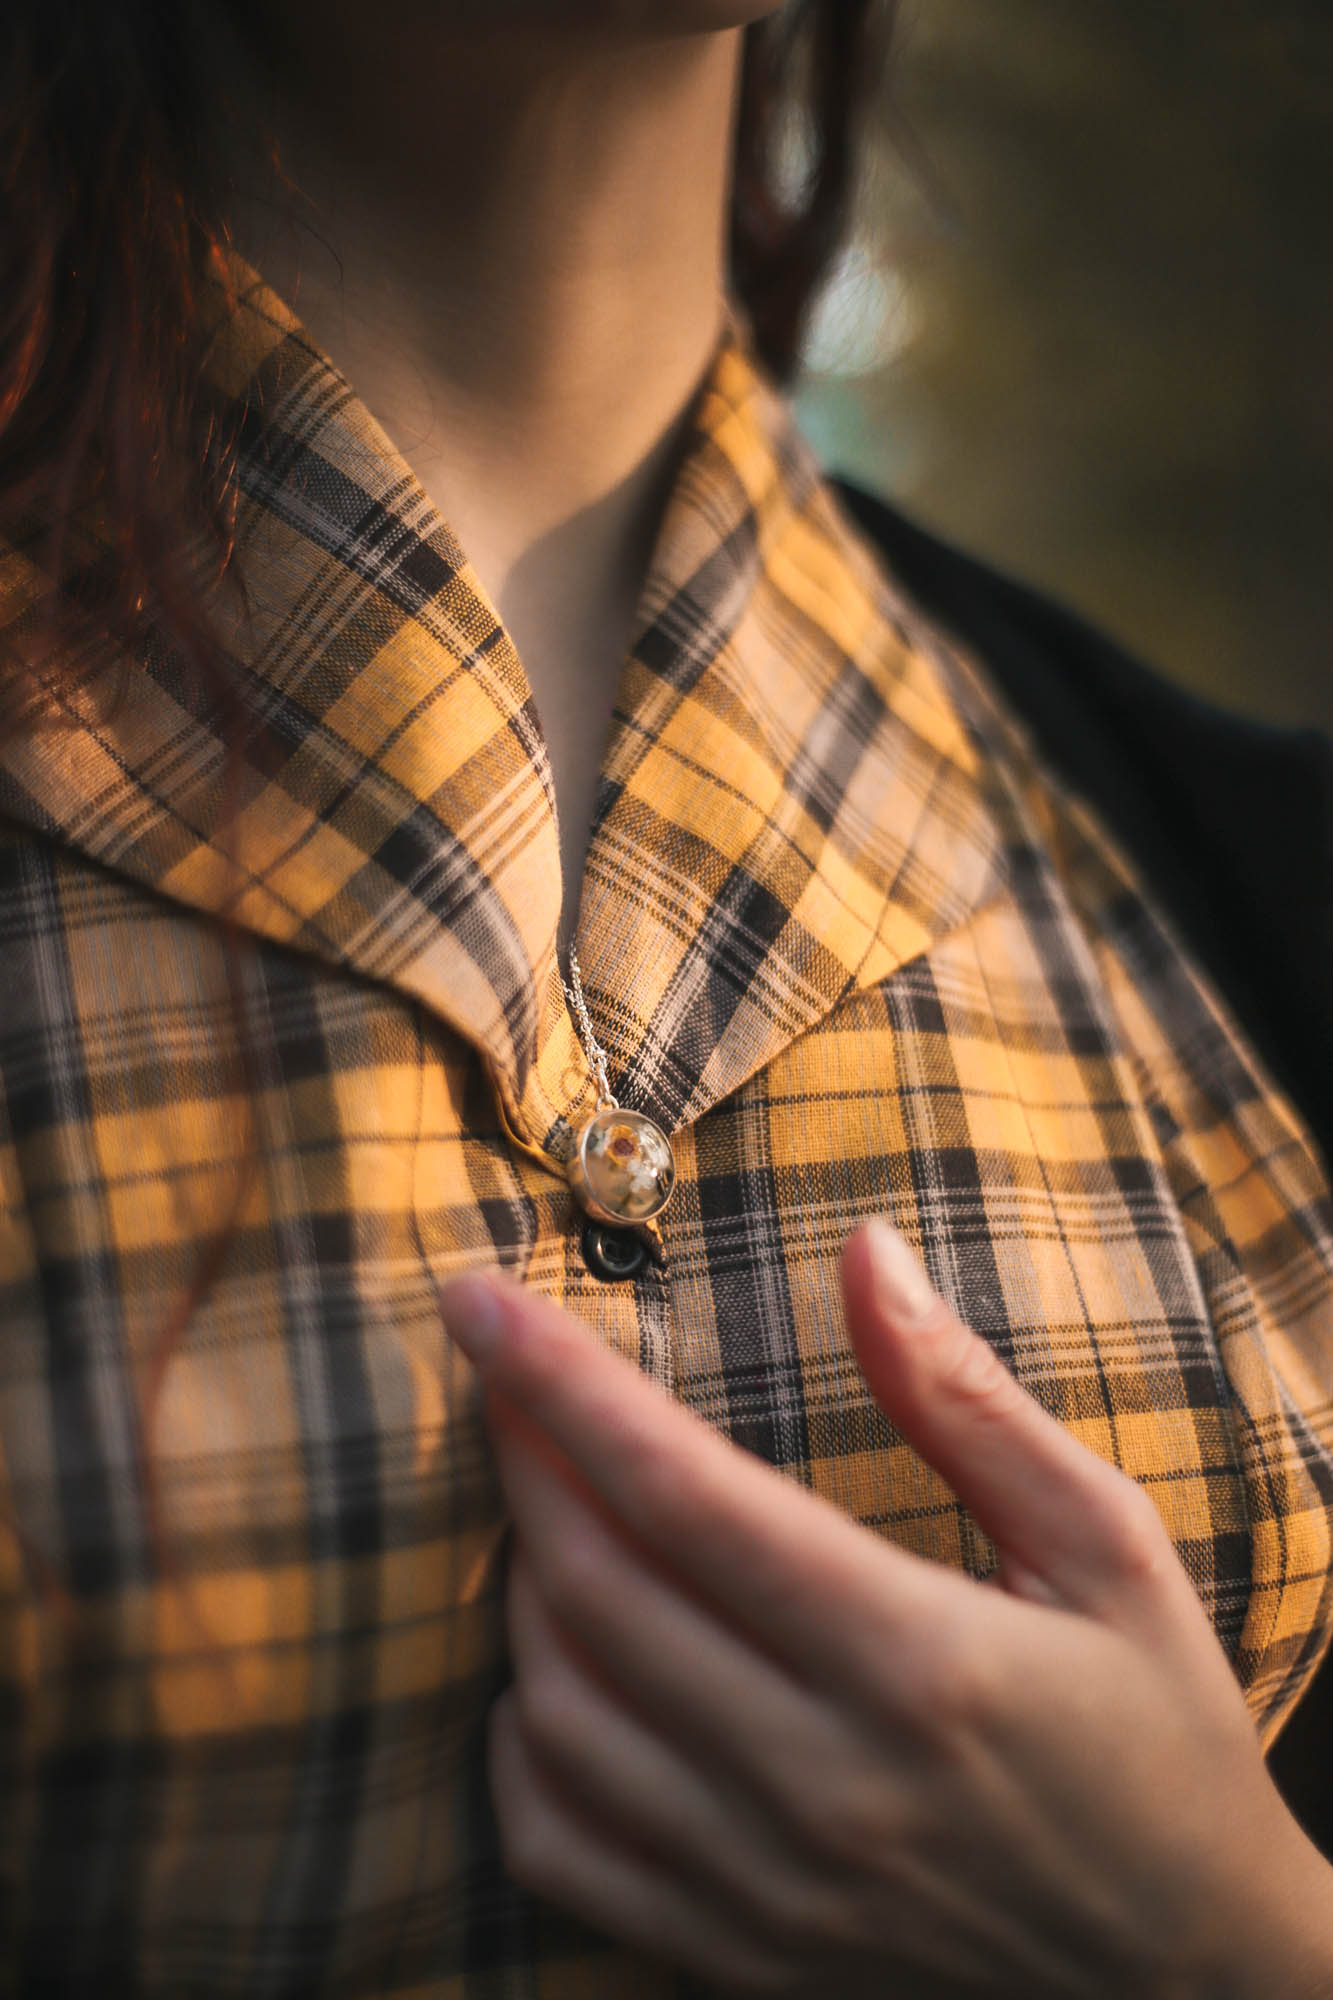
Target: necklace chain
point(595, 1053)
point(622, 1168)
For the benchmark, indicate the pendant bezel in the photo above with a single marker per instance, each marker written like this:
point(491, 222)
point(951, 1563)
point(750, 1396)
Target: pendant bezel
point(590, 1179)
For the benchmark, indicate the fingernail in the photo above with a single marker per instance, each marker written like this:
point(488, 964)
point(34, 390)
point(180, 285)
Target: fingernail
point(473, 1316)
point(903, 1292)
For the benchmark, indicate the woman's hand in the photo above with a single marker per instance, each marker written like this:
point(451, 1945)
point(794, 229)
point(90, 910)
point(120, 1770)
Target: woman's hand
point(749, 1736)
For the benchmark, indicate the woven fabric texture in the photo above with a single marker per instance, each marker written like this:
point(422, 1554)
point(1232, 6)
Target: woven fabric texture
point(841, 934)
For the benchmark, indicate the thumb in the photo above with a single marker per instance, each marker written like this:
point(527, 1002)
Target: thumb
point(1087, 1537)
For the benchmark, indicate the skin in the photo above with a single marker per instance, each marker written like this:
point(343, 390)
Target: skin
point(749, 1736)
point(743, 1733)
point(509, 234)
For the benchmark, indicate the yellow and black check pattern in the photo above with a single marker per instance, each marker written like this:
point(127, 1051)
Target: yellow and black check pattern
point(840, 934)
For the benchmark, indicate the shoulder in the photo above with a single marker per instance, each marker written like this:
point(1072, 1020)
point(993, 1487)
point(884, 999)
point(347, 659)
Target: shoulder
point(1228, 820)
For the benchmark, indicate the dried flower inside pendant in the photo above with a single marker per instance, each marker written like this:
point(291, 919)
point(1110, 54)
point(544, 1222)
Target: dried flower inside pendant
point(622, 1169)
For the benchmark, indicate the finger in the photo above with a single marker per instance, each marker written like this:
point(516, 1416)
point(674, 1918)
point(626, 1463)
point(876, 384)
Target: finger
point(593, 1871)
point(624, 1775)
point(1071, 1529)
point(702, 1688)
point(817, 1590)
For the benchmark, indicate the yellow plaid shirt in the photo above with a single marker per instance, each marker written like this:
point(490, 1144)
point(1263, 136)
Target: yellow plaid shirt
point(841, 934)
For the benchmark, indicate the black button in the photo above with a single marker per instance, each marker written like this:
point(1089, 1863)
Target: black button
point(612, 1253)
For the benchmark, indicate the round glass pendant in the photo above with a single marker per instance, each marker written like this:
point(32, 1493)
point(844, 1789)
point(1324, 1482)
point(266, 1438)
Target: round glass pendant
point(623, 1168)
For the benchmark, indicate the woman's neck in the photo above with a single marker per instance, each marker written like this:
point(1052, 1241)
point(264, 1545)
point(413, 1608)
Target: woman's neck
point(521, 265)
point(521, 273)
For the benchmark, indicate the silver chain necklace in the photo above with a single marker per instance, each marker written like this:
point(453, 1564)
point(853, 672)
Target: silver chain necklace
point(622, 1168)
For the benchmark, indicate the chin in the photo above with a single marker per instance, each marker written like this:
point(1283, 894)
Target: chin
point(676, 16)
point(660, 17)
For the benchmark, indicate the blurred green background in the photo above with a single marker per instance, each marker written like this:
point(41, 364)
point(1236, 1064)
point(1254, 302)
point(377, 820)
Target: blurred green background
point(1084, 326)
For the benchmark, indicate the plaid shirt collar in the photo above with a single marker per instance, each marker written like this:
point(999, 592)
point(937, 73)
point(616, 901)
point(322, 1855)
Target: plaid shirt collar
point(789, 805)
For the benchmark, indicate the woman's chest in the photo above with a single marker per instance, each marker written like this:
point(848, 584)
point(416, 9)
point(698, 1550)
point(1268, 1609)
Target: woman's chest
point(235, 1227)
point(244, 1456)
